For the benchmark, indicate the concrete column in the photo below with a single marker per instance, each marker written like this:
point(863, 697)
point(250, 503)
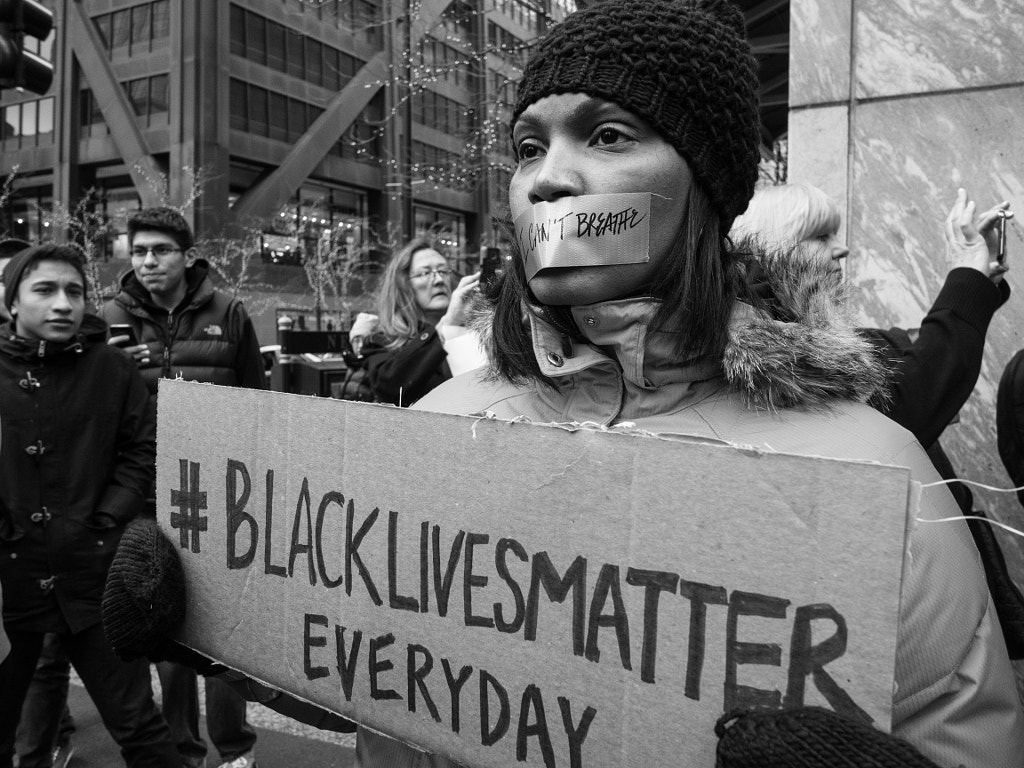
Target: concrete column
point(200, 111)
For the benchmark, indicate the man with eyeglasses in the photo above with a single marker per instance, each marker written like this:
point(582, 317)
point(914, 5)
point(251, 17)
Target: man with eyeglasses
point(185, 327)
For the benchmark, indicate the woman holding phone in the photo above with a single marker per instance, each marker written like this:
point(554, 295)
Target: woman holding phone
point(419, 331)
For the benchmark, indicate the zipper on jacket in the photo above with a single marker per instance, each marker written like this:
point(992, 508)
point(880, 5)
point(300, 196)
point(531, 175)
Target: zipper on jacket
point(42, 348)
point(166, 368)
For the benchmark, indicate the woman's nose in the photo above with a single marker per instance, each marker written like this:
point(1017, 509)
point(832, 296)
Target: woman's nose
point(557, 175)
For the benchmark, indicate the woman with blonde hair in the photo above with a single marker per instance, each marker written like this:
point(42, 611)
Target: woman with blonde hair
point(793, 215)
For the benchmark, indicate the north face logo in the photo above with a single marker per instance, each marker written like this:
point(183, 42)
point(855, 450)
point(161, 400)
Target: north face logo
point(213, 330)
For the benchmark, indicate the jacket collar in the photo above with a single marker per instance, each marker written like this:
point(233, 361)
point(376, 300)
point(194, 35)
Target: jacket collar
point(20, 348)
point(797, 345)
point(793, 346)
point(617, 331)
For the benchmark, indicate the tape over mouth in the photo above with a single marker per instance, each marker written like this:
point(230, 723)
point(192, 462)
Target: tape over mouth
point(586, 231)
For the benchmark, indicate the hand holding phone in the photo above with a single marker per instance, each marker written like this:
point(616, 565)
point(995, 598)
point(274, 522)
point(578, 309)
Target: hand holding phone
point(124, 329)
point(490, 265)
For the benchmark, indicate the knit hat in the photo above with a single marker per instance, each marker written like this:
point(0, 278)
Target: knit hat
point(144, 599)
point(684, 66)
point(810, 737)
point(12, 245)
point(21, 261)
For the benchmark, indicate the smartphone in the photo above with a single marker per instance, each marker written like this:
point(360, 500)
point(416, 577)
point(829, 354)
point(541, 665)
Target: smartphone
point(123, 329)
point(1001, 252)
point(490, 265)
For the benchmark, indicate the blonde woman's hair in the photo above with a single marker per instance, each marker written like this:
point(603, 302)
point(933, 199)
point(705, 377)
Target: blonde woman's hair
point(783, 215)
point(399, 312)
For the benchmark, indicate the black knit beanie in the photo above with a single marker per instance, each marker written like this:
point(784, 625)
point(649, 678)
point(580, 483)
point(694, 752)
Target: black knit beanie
point(144, 598)
point(809, 737)
point(684, 66)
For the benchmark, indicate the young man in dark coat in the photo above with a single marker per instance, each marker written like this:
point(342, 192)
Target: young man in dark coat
point(185, 327)
point(76, 464)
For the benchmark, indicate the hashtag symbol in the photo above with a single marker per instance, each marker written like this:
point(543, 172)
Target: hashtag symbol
point(189, 500)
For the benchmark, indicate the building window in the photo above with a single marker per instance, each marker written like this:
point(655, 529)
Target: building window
point(279, 117)
point(237, 30)
point(255, 38)
point(444, 61)
point(239, 105)
point(148, 97)
point(441, 113)
point(136, 28)
point(161, 19)
point(259, 102)
point(448, 229)
point(28, 121)
point(46, 116)
point(284, 50)
point(12, 121)
point(261, 112)
point(523, 13)
point(141, 28)
point(505, 44)
point(120, 28)
point(277, 56)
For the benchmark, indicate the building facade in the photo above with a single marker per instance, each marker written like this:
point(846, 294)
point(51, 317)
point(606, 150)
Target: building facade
point(307, 121)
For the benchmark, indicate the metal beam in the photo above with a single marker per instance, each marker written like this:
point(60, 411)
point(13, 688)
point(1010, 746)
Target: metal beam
point(765, 44)
point(763, 9)
point(112, 101)
point(773, 84)
point(270, 194)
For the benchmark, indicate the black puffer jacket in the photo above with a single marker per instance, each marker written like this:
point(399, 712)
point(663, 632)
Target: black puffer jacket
point(76, 463)
point(208, 337)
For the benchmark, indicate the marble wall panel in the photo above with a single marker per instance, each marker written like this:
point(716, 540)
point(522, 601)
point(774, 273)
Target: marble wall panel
point(819, 150)
point(819, 44)
point(910, 155)
point(917, 46)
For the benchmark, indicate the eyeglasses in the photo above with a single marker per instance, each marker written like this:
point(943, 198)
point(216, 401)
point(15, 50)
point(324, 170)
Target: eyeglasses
point(429, 274)
point(160, 251)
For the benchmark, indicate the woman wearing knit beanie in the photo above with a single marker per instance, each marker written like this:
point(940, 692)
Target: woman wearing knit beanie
point(635, 132)
point(636, 137)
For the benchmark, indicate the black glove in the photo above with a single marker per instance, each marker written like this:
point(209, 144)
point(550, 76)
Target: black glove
point(810, 737)
point(144, 598)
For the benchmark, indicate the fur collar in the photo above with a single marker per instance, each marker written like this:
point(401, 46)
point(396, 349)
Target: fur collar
point(792, 342)
point(795, 345)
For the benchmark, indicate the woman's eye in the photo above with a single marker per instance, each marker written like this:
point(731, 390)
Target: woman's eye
point(608, 136)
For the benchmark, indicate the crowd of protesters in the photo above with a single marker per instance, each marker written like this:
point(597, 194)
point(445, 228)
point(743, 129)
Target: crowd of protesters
point(733, 327)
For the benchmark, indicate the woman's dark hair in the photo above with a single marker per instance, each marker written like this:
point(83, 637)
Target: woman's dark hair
point(696, 284)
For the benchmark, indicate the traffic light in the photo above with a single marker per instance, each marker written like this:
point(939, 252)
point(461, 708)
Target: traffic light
point(20, 68)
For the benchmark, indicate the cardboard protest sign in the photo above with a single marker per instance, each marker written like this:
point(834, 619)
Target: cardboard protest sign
point(503, 592)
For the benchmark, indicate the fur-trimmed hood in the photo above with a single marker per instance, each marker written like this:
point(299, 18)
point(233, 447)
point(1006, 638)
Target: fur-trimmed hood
point(792, 342)
point(794, 345)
